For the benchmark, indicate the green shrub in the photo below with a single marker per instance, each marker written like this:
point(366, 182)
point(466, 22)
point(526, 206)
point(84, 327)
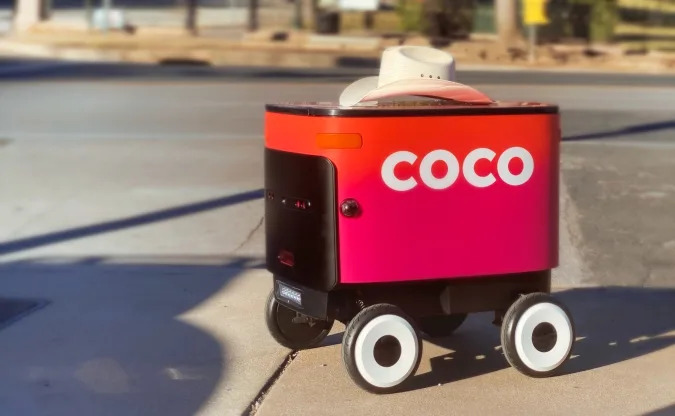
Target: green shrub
point(602, 20)
point(437, 18)
point(448, 18)
point(411, 15)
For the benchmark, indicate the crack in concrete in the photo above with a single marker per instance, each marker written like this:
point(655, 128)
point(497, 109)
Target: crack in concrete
point(250, 234)
point(647, 277)
point(253, 408)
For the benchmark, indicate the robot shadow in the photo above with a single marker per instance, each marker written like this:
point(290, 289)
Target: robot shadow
point(613, 324)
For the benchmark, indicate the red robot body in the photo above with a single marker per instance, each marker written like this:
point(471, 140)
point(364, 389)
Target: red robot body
point(456, 192)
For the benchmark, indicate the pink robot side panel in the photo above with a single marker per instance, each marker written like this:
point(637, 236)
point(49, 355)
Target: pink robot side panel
point(445, 197)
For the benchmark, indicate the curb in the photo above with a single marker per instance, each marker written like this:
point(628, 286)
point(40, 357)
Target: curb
point(223, 55)
point(269, 54)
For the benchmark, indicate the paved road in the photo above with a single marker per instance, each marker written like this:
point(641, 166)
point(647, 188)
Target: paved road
point(618, 159)
point(18, 69)
point(131, 205)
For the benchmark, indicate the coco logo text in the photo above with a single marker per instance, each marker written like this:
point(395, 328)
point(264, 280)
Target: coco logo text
point(467, 168)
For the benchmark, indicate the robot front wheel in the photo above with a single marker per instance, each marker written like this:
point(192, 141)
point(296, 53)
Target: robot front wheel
point(537, 335)
point(381, 348)
point(294, 330)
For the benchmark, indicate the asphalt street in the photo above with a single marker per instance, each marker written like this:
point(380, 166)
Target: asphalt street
point(22, 69)
point(129, 203)
point(618, 152)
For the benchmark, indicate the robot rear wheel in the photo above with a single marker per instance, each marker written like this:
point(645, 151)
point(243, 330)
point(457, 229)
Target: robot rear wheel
point(537, 335)
point(292, 329)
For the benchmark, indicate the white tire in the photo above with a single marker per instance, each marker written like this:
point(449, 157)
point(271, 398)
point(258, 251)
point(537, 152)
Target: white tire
point(537, 335)
point(381, 348)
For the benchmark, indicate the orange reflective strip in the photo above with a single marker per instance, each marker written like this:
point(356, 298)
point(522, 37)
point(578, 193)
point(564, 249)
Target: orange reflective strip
point(339, 140)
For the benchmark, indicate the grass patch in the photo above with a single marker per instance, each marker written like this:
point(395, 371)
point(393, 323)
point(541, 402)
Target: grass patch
point(384, 21)
point(653, 5)
point(633, 29)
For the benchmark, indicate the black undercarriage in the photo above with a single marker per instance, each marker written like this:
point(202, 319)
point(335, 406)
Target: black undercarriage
point(418, 299)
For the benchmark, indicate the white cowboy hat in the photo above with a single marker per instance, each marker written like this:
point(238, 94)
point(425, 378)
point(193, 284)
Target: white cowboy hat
point(412, 70)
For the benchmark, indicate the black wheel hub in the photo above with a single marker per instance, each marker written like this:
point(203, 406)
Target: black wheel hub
point(387, 351)
point(544, 337)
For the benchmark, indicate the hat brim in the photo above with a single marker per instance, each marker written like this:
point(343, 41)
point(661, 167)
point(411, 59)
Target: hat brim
point(366, 89)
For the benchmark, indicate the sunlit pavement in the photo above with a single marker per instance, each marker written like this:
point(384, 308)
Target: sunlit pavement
point(5, 21)
point(133, 211)
point(622, 364)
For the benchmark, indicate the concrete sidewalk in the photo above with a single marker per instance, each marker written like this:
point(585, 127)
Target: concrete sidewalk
point(623, 363)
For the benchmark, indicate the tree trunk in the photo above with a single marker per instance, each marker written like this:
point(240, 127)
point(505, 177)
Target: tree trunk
point(27, 13)
point(45, 9)
point(506, 21)
point(191, 16)
point(369, 20)
point(298, 18)
point(309, 10)
point(252, 15)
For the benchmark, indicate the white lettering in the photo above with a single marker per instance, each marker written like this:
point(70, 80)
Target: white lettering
point(388, 171)
point(503, 166)
point(439, 156)
point(468, 168)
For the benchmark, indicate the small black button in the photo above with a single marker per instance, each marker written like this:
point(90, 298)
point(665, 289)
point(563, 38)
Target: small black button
point(350, 208)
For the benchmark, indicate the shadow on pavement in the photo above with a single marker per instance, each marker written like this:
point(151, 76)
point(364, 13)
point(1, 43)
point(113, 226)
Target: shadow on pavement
point(613, 324)
point(16, 69)
point(135, 221)
point(666, 411)
point(625, 131)
point(11, 310)
point(113, 340)
point(619, 323)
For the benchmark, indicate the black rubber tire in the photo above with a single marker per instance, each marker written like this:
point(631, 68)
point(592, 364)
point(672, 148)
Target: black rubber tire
point(513, 315)
point(441, 325)
point(352, 332)
point(291, 335)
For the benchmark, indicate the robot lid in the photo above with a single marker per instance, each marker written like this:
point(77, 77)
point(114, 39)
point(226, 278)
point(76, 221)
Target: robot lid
point(412, 70)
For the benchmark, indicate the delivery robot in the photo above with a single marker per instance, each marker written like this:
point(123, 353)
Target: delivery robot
point(400, 217)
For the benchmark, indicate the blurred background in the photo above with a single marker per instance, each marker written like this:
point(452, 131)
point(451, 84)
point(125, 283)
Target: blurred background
point(589, 31)
point(132, 278)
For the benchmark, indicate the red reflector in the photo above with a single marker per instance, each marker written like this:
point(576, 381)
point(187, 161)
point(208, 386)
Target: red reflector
point(286, 258)
point(339, 140)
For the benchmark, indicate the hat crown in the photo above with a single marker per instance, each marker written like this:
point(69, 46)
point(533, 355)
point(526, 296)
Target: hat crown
point(415, 62)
